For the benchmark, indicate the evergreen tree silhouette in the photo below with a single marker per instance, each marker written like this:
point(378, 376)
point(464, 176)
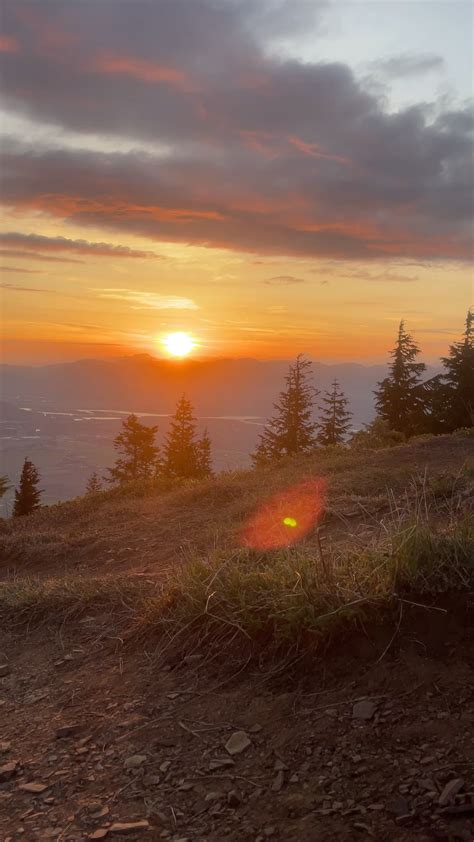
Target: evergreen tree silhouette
point(399, 398)
point(4, 486)
point(184, 456)
point(139, 454)
point(291, 430)
point(94, 483)
point(459, 379)
point(335, 417)
point(203, 455)
point(27, 495)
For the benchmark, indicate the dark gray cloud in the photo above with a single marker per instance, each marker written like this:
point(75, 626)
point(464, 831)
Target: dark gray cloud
point(256, 152)
point(408, 65)
point(27, 241)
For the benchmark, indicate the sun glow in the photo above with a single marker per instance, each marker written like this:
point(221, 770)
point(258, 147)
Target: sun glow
point(179, 344)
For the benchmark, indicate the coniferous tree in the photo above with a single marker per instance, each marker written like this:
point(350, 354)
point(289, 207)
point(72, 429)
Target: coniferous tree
point(459, 379)
point(203, 455)
point(184, 455)
point(94, 483)
point(335, 418)
point(27, 495)
point(291, 430)
point(4, 486)
point(400, 396)
point(139, 454)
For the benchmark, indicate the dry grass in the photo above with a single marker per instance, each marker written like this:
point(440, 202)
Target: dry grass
point(145, 526)
point(241, 604)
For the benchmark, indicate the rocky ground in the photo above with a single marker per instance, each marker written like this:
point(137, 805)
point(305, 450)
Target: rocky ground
point(100, 740)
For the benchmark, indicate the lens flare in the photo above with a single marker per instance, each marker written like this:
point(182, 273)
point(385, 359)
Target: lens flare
point(271, 527)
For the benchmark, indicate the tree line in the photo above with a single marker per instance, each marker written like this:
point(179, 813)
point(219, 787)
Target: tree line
point(183, 456)
point(406, 406)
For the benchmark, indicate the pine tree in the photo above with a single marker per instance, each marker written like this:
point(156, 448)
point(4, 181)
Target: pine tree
point(184, 456)
point(203, 455)
point(4, 486)
point(335, 417)
point(136, 443)
point(459, 379)
point(27, 496)
point(399, 397)
point(291, 430)
point(94, 483)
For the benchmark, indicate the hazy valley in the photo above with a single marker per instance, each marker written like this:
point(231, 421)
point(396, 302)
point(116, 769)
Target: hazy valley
point(65, 416)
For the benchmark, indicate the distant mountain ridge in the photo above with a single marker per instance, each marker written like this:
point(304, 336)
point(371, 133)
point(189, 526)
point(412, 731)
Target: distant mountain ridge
point(221, 387)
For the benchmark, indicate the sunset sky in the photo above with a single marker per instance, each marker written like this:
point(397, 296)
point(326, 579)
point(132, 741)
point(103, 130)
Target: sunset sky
point(270, 176)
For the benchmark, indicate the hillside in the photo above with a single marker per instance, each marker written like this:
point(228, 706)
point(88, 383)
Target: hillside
point(116, 531)
point(161, 681)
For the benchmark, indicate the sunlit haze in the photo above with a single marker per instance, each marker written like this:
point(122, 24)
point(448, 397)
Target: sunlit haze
point(268, 176)
point(178, 344)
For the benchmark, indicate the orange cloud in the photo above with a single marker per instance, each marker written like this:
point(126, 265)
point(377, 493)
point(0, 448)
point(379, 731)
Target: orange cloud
point(69, 206)
point(315, 151)
point(145, 71)
point(8, 44)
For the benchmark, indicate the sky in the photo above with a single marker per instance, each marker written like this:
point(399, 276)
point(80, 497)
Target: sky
point(269, 176)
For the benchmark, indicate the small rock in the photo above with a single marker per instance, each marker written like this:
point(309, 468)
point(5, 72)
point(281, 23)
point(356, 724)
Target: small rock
point(451, 789)
point(68, 731)
point(362, 827)
point(134, 761)
point(129, 827)
point(269, 831)
point(212, 796)
point(8, 770)
point(255, 729)
point(220, 763)
point(101, 833)
point(364, 709)
point(165, 765)
point(404, 819)
point(33, 787)
point(100, 812)
point(4, 747)
point(233, 799)
point(238, 742)
point(4, 670)
point(278, 781)
point(280, 766)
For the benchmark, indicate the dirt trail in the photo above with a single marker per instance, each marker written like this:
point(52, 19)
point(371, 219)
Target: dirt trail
point(360, 746)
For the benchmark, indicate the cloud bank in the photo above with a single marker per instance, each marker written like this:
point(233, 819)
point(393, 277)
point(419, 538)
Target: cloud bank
point(255, 152)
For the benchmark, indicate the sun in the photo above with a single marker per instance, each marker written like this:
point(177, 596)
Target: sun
point(179, 344)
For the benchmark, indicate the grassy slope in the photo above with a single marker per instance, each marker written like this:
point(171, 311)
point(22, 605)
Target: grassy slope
point(398, 528)
point(114, 531)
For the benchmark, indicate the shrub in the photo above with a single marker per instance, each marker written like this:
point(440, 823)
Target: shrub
point(375, 436)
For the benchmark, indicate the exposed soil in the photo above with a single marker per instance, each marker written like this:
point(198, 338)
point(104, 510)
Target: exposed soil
point(148, 737)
